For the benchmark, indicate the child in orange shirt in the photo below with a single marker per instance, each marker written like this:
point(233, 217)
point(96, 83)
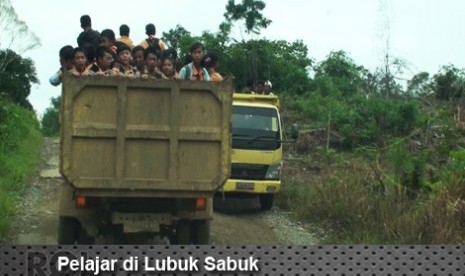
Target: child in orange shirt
point(211, 62)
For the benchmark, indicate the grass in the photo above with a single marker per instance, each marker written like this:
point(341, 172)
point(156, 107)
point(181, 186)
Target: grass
point(20, 139)
point(363, 206)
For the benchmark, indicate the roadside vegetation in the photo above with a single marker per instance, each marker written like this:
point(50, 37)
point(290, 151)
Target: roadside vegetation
point(20, 138)
point(51, 119)
point(378, 166)
point(20, 135)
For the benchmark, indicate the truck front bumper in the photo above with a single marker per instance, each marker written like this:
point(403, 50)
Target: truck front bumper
point(252, 186)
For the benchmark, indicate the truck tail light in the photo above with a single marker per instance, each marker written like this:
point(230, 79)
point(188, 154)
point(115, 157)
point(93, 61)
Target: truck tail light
point(81, 201)
point(200, 204)
point(85, 201)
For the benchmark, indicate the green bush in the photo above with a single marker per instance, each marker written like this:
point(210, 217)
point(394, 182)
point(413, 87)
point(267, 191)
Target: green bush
point(20, 139)
point(51, 119)
point(360, 120)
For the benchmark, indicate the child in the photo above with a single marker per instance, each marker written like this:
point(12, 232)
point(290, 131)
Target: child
point(80, 60)
point(88, 35)
point(211, 63)
point(124, 58)
point(90, 54)
point(138, 58)
point(157, 43)
point(194, 70)
point(66, 62)
point(260, 87)
point(152, 58)
point(107, 39)
point(267, 88)
point(168, 65)
point(124, 36)
point(104, 61)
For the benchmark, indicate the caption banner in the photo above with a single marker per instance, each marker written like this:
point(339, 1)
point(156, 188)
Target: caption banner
point(233, 260)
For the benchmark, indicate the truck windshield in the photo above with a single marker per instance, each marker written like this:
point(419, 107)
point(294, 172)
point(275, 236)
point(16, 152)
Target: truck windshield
point(255, 128)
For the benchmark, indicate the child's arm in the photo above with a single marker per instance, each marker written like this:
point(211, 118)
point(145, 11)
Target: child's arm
point(55, 80)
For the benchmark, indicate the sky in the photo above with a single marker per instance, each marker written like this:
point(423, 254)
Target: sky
point(425, 34)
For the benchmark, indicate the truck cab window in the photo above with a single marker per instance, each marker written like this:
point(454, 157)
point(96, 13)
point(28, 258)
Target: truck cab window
point(255, 128)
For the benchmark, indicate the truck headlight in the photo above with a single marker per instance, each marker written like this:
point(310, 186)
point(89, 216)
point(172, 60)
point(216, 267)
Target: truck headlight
point(274, 171)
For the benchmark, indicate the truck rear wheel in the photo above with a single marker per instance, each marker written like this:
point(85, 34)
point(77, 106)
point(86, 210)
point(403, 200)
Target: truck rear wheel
point(183, 232)
point(68, 230)
point(266, 201)
point(201, 231)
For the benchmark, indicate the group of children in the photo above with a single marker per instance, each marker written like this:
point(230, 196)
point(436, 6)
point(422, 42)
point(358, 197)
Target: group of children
point(108, 56)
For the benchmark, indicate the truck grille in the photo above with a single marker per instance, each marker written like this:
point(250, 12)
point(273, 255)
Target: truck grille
point(248, 171)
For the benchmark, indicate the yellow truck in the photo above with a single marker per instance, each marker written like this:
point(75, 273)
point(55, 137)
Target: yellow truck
point(257, 148)
point(142, 158)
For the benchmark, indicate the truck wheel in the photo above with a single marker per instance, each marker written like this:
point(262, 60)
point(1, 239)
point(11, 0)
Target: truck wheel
point(68, 230)
point(84, 238)
point(266, 201)
point(183, 232)
point(201, 231)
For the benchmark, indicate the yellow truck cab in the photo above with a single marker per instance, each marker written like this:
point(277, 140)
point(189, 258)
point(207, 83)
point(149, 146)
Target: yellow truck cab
point(257, 149)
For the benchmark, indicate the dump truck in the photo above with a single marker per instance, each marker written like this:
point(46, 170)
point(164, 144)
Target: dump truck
point(142, 158)
point(257, 148)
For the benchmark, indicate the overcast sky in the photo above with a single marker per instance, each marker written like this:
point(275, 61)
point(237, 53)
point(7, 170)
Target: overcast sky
point(427, 34)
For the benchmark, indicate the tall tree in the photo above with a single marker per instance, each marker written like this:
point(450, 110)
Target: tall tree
point(284, 63)
point(420, 84)
point(16, 79)
point(449, 82)
point(250, 11)
point(340, 72)
point(174, 37)
point(15, 35)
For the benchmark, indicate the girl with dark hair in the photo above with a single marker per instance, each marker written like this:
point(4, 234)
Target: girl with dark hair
point(168, 62)
point(80, 60)
point(211, 62)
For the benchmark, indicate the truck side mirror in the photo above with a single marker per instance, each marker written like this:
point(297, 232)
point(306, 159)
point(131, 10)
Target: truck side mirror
point(294, 131)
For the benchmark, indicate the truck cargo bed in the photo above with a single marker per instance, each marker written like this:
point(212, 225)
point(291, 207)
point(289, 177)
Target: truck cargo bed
point(152, 135)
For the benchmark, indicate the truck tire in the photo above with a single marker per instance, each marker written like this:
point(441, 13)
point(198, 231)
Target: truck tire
point(183, 232)
point(266, 201)
point(201, 231)
point(68, 230)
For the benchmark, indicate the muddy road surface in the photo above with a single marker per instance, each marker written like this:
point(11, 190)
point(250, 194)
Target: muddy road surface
point(237, 221)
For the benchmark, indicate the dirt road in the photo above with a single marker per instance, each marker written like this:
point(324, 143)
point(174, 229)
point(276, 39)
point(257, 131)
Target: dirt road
point(239, 222)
